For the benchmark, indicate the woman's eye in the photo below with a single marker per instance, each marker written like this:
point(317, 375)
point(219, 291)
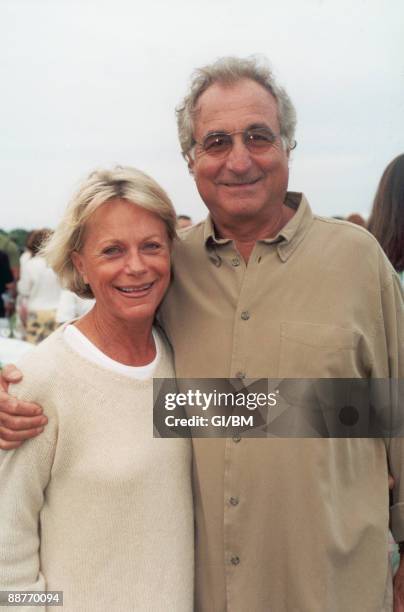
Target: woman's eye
point(152, 246)
point(113, 250)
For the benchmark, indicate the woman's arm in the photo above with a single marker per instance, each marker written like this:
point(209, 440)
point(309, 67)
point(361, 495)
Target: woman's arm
point(24, 475)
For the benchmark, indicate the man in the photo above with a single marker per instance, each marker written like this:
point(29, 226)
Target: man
point(265, 289)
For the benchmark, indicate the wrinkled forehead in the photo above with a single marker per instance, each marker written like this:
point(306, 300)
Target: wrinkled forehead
point(121, 218)
point(236, 106)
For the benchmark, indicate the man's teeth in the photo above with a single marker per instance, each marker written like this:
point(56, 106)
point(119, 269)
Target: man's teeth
point(135, 289)
point(242, 183)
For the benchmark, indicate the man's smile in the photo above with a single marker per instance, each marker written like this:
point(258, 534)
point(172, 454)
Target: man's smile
point(243, 183)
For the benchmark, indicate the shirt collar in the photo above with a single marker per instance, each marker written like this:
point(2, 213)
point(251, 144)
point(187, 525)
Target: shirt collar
point(287, 239)
point(209, 235)
point(291, 235)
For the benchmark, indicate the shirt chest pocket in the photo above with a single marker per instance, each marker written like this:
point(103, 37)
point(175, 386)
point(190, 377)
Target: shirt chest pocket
point(312, 350)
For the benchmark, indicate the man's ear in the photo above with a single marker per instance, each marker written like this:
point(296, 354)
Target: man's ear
point(291, 148)
point(191, 164)
point(78, 263)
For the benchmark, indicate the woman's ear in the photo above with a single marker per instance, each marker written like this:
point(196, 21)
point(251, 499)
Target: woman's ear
point(78, 263)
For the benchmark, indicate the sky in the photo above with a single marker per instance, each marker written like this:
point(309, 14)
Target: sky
point(94, 83)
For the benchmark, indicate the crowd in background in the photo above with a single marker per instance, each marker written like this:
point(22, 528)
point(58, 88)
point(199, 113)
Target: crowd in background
point(33, 304)
point(32, 300)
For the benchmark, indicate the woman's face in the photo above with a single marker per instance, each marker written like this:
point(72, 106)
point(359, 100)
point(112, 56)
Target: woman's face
point(125, 259)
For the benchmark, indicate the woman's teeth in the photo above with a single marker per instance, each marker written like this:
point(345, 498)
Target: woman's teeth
point(135, 289)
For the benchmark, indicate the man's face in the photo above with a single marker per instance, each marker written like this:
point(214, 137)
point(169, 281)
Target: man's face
point(241, 184)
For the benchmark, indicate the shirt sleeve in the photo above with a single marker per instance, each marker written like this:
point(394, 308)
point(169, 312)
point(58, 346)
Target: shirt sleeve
point(24, 475)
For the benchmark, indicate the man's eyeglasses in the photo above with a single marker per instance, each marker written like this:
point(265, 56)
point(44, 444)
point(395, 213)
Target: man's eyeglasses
point(219, 144)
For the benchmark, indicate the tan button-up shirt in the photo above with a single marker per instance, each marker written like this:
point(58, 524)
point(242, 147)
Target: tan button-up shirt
point(290, 525)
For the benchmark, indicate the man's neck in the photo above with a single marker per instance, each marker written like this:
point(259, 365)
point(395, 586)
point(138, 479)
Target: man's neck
point(245, 233)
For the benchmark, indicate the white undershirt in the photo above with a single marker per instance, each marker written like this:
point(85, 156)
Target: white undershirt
point(82, 345)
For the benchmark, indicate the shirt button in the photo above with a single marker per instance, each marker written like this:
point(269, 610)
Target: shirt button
point(234, 501)
point(235, 560)
point(235, 261)
point(245, 315)
point(236, 439)
point(259, 259)
point(240, 374)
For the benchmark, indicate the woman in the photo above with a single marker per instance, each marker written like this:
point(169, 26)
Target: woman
point(39, 291)
point(97, 507)
point(386, 221)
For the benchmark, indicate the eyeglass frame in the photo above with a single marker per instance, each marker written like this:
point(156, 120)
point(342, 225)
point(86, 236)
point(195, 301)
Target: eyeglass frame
point(191, 153)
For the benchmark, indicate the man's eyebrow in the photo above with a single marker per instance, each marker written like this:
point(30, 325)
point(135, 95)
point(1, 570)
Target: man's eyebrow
point(260, 125)
point(252, 126)
point(214, 132)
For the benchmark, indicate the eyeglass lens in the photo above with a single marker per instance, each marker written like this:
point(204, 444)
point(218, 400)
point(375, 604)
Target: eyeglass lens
point(255, 139)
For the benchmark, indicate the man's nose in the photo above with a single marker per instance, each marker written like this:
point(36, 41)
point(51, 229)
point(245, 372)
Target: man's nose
point(239, 158)
point(135, 263)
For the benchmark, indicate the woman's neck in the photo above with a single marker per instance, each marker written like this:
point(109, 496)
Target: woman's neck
point(129, 343)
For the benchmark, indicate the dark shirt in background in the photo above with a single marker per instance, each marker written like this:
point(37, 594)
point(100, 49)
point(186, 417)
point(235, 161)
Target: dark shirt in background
point(6, 277)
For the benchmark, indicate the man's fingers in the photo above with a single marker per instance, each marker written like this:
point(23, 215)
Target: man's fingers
point(9, 445)
point(12, 405)
point(17, 423)
point(391, 482)
point(8, 435)
point(10, 374)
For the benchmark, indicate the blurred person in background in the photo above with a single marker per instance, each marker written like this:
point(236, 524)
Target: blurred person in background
point(27, 254)
point(40, 289)
point(21, 303)
point(183, 221)
point(386, 220)
point(357, 219)
point(7, 284)
point(11, 249)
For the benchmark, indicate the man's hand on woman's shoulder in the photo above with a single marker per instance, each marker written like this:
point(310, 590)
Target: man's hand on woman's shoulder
point(19, 420)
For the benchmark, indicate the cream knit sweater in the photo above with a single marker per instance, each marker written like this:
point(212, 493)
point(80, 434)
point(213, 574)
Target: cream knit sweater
point(95, 506)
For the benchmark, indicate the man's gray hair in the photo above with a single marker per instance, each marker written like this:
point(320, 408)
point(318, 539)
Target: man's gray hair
point(227, 71)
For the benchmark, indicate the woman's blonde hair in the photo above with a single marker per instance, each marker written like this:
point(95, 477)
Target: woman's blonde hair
point(101, 186)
